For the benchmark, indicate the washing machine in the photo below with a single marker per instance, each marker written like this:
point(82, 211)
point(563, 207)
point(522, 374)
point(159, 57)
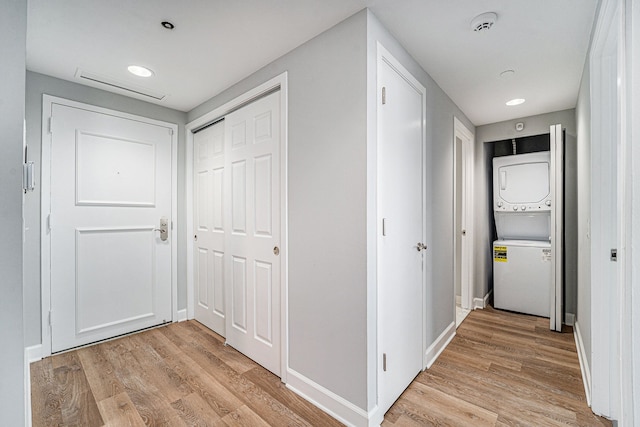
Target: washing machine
point(522, 253)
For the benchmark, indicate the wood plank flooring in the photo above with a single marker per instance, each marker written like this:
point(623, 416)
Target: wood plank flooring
point(501, 369)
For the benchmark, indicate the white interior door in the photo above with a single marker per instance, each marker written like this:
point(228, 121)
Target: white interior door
point(401, 234)
point(252, 230)
point(209, 241)
point(556, 183)
point(463, 260)
point(110, 187)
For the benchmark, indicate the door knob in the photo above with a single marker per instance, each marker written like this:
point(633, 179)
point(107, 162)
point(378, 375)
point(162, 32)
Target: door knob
point(421, 246)
point(276, 250)
point(464, 232)
point(164, 229)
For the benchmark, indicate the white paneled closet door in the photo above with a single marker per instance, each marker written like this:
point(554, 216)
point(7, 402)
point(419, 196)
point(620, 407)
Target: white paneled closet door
point(210, 231)
point(238, 223)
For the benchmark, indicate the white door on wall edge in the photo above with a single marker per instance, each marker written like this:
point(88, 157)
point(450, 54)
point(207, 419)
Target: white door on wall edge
point(400, 230)
point(111, 185)
point(238, 229)
point(209, 243)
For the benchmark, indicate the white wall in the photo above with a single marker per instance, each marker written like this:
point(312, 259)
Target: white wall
point(13, 32)
point(583, 122)
point(534, 125)
point(36, 86)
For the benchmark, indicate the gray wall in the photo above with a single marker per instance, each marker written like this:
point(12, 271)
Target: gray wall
point(37, 85)
point(534, 125)
point(327, 217)
point(13, 33)
point(583, 121)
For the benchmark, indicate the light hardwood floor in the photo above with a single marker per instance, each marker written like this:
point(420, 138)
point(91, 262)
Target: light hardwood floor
point(500, 369)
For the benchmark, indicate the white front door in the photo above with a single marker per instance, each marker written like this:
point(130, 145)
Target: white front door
point(237, 247)
point(209, 179)
point(110, 186)
point(400, 241)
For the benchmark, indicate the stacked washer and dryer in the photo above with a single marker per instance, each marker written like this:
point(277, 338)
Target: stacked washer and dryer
point(522, 270)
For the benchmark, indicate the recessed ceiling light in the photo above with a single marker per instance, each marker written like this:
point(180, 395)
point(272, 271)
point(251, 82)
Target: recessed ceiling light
point(516, 101)
point(140, 71)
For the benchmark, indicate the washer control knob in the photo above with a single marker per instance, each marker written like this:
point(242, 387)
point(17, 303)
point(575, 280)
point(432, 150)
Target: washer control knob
point(523, 207)
point(548, 203)
point(515, 208)
point(500, 204)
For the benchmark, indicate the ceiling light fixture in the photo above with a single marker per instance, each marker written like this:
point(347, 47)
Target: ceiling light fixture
point(168, 25)
point(140, 71)
point(516, 101)
point(484, 22)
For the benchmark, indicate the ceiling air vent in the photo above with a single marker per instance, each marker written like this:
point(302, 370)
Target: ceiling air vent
point(97, 80)
point(484, 22)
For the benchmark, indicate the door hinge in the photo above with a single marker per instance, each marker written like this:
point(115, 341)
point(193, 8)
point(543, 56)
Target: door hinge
point(170, 131)
point(384, 362)
point(50, 318)
point(384, 226)
point(51, 124)
point(172, 225)
point(384, 95)
point(614, 255)
point(49, 222)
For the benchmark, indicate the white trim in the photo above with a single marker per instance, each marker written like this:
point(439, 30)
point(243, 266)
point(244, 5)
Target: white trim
point(181, 315)
point(584, 363)
point(610, 367)
point(334, 405)
point(280, 82)
point(466, 270)
point(33, 353)
point(557, 269)
point(569, 319)
point(481, 303)
point(27, 390)
point(45, 205)
point(438, 346)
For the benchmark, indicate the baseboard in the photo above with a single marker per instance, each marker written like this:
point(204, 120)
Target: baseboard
point(569, 319)
point(584, 362)
point(33, 353)
point(182, 315)
point(481, 303)
point(334, 405)
point(434, 350)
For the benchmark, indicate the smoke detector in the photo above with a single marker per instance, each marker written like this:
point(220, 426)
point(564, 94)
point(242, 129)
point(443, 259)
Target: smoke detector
point(483, 22)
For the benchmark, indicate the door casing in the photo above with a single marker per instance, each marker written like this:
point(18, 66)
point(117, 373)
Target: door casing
point(45, 207)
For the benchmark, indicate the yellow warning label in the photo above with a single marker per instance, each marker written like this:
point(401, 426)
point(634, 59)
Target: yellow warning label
point(500, 253)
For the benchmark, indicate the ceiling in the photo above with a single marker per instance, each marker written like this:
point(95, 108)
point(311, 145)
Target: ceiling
point(217, 43)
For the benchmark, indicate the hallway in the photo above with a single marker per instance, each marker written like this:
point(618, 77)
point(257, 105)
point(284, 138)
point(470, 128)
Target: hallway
point(500, 369)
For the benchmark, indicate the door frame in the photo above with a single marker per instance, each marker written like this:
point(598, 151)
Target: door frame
point(384, 56)
point(556, 183)
point(277, 83)
point(466, 268)
point(45, 205)
point(610, 311)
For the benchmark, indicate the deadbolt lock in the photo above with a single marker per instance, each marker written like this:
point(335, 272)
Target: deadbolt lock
point(421, 246)
point(276, 250)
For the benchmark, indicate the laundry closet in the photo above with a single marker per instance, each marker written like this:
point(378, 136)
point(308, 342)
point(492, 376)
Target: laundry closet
point(525, 179)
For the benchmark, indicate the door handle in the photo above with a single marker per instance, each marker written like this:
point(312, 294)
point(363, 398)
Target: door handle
point(164, 229)
point(421, 246)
